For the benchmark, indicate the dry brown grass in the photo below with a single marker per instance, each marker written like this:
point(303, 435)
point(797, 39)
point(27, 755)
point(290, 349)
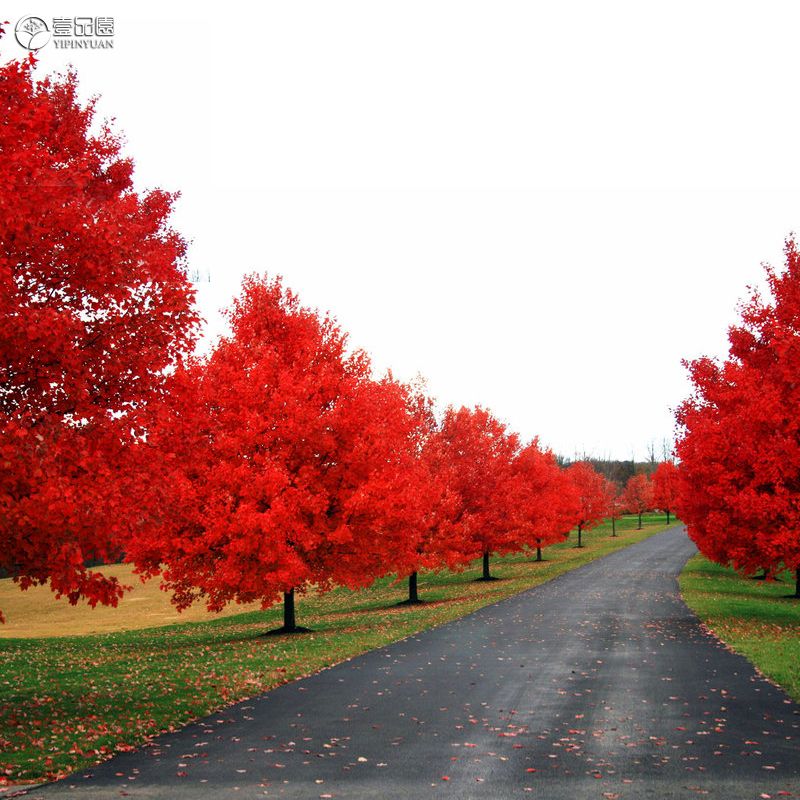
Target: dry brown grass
point(36, 612)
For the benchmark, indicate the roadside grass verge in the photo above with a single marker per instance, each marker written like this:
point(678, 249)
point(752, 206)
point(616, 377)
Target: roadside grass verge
point(756, 618)
point(71, 701)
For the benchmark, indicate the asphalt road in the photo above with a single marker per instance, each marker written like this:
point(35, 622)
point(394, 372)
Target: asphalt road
point(599, 684)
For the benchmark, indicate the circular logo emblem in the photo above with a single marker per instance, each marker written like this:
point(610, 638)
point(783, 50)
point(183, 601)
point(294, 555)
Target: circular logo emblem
point(32, 33)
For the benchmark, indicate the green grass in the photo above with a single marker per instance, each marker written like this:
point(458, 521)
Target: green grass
point(756, 618)
point(69, 702)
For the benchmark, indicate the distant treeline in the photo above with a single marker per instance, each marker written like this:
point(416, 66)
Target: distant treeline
point(618, 471)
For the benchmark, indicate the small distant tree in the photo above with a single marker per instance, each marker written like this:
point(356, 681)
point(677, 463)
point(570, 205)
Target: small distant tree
point(665, 486)
point(638, 496)
point(592, 497)
point(615, 507)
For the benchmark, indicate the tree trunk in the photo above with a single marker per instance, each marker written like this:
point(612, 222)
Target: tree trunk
point(797, 582)
point(640, 521)
point(486, 576)
point(413, 596)
point(667, 516)
point(538, 552)
point(579, 536)
point(289, 623)
point(613, 527)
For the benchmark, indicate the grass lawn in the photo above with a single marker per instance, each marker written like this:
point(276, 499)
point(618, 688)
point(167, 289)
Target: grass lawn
point(756, 618)
point(70, 701)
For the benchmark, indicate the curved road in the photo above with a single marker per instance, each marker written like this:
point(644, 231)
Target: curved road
point(598, 684)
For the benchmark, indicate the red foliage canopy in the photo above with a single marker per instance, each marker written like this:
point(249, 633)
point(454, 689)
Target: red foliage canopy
point(544, 500)
point(740, 449)
point(479, 452)
point(292, 465)
point(435, 528)
point(95, 306)
point(638, 495)
point(615, 508)
point(592, 496)
point(665, 486)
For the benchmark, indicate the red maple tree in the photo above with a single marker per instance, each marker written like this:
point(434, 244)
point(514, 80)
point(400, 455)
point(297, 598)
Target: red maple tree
point(479, 451)
point(592, 497)
point(95, 306)
point(665, 487)
point(543, 501)
point(293, 467)
point(740, 447)
point(637, 496)
point(435, 537)
point(614, 504)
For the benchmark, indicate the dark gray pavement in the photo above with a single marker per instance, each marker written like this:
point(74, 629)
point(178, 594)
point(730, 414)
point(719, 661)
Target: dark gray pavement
point(599, 684)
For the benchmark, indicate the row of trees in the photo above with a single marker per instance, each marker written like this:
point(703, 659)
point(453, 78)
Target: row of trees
point(284, 463)
point(276, 462)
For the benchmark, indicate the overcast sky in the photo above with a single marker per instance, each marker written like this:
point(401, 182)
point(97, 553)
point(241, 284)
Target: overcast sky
point(540, 207)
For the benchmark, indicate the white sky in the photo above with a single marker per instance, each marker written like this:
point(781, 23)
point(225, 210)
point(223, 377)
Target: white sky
point(540, 207)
